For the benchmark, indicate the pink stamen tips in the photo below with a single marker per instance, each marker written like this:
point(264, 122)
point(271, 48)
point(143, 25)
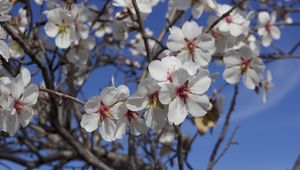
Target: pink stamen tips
point(182, 92)
point(131, 115)
point(18, 105)
point(268, 27)
point(228, 19)
point(245, 64)
point(104, 111)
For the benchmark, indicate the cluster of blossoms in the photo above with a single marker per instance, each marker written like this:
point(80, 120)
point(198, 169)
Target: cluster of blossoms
point(17, 96)
point(178, 80)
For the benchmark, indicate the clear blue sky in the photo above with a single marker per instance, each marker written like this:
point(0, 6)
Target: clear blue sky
point(268, 135)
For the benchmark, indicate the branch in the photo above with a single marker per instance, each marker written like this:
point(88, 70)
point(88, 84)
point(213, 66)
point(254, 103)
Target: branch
point(179, 148)
point(212, 160)
point(142, 28)
point(74, 99)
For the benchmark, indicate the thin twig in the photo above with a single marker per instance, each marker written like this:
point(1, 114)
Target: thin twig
point(224, 130)
point(74, 99)
point(142, 28)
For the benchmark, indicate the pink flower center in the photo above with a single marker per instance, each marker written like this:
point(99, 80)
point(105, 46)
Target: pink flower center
point(170, 77)
point(268, 27)
point(104, 111)
point(191, 45)
point(153, 98)
point(18, 105)
point(245, 64)
point(131, 115)
point(228, 19)
point(182, 92)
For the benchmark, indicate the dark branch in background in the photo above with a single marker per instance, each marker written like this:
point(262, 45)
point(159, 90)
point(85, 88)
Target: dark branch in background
point(179, 151)
point(212, 159)
point(74, 99)
point(297, 164)
point(142, 28)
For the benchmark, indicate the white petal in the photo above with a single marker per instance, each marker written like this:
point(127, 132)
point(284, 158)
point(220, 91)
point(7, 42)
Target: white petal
point(31, 94)
point(191, 30)
point(92, 105)
point(25, 116)
point(250, 79)
point(199, 84)
point(166, 94)
point(198, 105)
point(137, 103)
point(275, 32)
point(235, 29)
point(155, 118)
point(177, 112)
point(263, 17)
point(158, 70)
point(198, 10)
point(223, 26)
point(51, 29)
point(90, 122)
point(232, 75)
point(26, 76)
point(180, 77)
point(121, 128)
point(108, 129)
point(266, 40)
point(13, 124)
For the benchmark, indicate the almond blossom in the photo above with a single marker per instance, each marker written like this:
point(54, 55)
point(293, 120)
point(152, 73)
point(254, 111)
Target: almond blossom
point(60, 26)
point(129, 118)
point(79, 54)
point(233, 23)
point(267, 28)
point(163, 71)
point(145, 6)
point(186, 95)
point(80, 16)
point(243, 63)
point(17, 109)
point(198, 6)
point(266, 86)
point(194, 46)
point(104, 109)
point(146, 98)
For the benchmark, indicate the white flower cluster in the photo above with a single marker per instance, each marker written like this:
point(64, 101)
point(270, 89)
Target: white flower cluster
point(17, 96)
point(178, 81)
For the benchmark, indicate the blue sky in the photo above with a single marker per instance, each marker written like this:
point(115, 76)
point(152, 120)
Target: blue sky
point(269, 133)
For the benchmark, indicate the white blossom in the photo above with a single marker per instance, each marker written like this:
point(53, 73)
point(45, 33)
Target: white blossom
point(60, 26)
point(267, 28)
point(195, 47)
point(129, 118)
point(198, 6)
point(267, 85)
point(17, 109)
point(233, 23)
point(104, 109)
point(145, 6)
point(146, 98)
point(79, 54)
point(243, 63)
point(186, 95)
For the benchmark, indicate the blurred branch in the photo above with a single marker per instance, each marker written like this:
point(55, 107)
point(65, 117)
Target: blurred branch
point(212, 159)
